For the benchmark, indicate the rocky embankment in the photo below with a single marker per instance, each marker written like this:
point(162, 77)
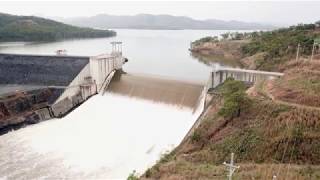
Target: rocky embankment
point(20, 108)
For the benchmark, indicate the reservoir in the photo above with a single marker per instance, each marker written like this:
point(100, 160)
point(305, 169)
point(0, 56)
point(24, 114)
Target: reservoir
point(156, 52)
point(146, 111)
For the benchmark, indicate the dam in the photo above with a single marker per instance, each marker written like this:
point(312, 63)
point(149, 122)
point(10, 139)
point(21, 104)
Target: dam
point(103, 123)
point(34, 88)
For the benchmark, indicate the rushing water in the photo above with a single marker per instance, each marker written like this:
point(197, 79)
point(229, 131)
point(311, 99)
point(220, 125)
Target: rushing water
point(129, 127)
point(109, 136)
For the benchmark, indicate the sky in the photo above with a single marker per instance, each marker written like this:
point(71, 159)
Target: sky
point(269, 12)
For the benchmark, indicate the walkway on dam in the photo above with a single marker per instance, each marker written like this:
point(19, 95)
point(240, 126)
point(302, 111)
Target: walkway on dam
point(220, 74)
point(238, 70)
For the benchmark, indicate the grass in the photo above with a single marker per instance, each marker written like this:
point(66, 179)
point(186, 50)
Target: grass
point(300, 84)
point(183, 169)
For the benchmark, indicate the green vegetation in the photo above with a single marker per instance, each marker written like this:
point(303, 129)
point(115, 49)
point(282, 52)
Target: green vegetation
point(281, 45)
point(224, 36)
point(236, 36)
point(133, 176)
point(30, 28)
point(264, 50)
point(235, 98)
point(213, 39)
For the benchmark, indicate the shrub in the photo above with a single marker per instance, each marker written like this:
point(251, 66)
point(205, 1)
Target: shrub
point(166, 157)
point(206, 39)
point(133, 176)
point(281, 43)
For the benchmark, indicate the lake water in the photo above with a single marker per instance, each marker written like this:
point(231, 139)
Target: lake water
point(157, 52)
point(128, 128)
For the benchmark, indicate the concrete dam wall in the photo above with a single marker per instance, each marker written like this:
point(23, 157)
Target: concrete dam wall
point(70, 80)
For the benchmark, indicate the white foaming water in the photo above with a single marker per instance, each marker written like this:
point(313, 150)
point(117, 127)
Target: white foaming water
point(107, 137)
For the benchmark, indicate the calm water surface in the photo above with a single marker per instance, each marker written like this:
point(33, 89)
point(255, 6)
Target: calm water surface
point(158, 52)
point(126, 129)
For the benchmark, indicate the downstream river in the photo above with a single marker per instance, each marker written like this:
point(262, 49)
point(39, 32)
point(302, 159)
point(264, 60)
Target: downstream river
point(145, 112)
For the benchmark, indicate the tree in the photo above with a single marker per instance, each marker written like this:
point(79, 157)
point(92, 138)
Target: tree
point(235, 98)
point(225, 35)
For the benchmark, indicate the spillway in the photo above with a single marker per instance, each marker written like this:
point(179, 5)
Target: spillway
point(127, 128)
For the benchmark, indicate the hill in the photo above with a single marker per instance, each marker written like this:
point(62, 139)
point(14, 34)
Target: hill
point(148, 21)
point(31, 28)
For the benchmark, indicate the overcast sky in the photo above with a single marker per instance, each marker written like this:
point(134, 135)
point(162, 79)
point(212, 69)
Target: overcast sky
point(275, 12)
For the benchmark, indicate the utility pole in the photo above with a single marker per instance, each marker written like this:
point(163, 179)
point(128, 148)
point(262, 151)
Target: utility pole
point(231, 167)
point(314, 44)
point(297, 57)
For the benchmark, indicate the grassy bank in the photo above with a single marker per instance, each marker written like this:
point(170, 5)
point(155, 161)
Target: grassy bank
point(299, 85)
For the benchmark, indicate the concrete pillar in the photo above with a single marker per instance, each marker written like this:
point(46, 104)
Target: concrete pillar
point(212, 79)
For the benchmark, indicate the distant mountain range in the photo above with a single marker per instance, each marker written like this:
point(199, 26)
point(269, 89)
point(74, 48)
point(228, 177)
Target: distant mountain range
point(148, 21)
point(32, 28)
